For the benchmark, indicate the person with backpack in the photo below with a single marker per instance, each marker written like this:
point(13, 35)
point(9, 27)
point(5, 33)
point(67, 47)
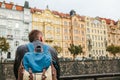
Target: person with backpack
point(35, 38)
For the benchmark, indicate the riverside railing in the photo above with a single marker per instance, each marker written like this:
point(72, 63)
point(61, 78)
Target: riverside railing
point(90, 76)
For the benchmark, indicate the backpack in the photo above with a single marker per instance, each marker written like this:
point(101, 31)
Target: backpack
point(38, 63)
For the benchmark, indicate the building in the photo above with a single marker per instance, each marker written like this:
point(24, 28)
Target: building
point(113, 33)
point(96, 33)
point(15, 23)
point(50, 24)
point(78, 31)
point(59, 29)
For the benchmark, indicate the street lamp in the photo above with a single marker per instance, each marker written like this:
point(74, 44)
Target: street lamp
point(1, 54)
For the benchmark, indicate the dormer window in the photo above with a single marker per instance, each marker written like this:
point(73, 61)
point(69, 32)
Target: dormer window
point(14, 7)
point(3, 4)
point(103, 21)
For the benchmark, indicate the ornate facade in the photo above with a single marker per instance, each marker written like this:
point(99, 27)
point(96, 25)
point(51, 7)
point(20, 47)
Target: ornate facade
point(15, 23)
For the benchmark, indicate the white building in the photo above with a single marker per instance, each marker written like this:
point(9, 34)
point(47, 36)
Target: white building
point(96, 32)
point(15, 24)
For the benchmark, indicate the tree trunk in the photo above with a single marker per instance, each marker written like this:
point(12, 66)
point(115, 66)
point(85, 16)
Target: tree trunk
point(74, 57)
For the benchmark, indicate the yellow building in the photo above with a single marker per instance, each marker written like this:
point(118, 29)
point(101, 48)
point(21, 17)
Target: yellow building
point(60, 29)
point(49, 24)
point(78, 32)
point(113, 33)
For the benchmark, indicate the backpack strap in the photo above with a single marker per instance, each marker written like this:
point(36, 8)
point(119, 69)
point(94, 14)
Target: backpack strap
point(45, 48)
point(30, 47)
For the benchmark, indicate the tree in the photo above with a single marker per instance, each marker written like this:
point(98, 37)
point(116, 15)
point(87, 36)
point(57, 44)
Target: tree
point(4, 45)
point(58, 49)
point(113, 49)
point(75, 50)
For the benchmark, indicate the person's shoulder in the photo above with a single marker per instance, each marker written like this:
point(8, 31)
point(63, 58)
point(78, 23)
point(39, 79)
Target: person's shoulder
point(21, 46)
point(28, 54)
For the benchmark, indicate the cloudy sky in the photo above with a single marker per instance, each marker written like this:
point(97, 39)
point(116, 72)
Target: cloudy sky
point(103, 8)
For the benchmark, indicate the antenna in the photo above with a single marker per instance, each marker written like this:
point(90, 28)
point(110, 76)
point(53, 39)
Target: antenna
point(47, 7)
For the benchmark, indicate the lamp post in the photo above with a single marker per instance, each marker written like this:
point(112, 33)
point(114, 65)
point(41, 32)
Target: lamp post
point(1, 55)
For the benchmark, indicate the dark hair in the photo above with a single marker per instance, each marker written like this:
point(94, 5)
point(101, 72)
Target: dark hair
point(34, 35)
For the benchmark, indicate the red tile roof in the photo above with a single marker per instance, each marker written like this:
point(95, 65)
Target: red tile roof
point(0, 4)
point(10, 6)
point(63, 15)
point(108, 21)
point(35, 10)
point(19, 8)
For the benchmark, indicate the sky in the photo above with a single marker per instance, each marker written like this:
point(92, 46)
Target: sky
point(102, 8)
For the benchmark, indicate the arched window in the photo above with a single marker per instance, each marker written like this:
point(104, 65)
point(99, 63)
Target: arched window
point(9, 55)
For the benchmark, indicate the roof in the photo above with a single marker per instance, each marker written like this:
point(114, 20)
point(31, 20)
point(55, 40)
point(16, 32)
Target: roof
point(108, 21)
point(35, 10)
point(10, 6)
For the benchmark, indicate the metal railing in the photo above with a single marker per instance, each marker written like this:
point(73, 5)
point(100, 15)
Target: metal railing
point(90, 76)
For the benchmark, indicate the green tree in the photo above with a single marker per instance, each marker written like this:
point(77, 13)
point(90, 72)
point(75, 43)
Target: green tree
point(113, 49)
point(75, 50)
point(4, 45)
point(58, 49)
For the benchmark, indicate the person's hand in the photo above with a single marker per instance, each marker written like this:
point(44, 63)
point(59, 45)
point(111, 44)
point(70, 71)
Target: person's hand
point(20, 72)
point(31, 75)
point(43, 74)
point(54, 74)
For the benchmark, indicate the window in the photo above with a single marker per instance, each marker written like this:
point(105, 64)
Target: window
point(57, 37)
point(82, 38)
point(2, 31)
point(75, 22)
point(58, 30)
point(88, 30)
point(35, 27)
point(16, 43)
point(10, 15)
point(36, 19)
point(17, 25)
point(65, 23)
point(9, 31)
point(49, 28)
point(49, 36)
point(87, 23)
point(82, 32)
point(76, 31)
point(65, 31)
point(96, 51)
point(9, 55)
point(82, 25)
point(14, 7)
point(88, 36)
point(3, 5)
point(66, 37)
point(104, 32)
point(3, 22)
point(93, 37)
point(76, 38)
point(26, 12)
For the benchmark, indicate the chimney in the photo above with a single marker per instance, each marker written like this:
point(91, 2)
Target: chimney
point(26, 4)
point(4, 1)
point(72, 13)
point(11, 3)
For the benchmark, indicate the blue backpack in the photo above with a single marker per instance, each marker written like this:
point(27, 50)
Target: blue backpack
point(37, 60)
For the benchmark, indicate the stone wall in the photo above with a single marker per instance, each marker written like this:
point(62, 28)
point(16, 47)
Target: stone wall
point(71, 68)
point(6, 71)
point(89, 67)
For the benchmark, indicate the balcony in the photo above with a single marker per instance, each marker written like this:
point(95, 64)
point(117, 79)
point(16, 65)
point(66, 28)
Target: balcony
point(10, 37)
point(24, 38)
point(49, 40)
